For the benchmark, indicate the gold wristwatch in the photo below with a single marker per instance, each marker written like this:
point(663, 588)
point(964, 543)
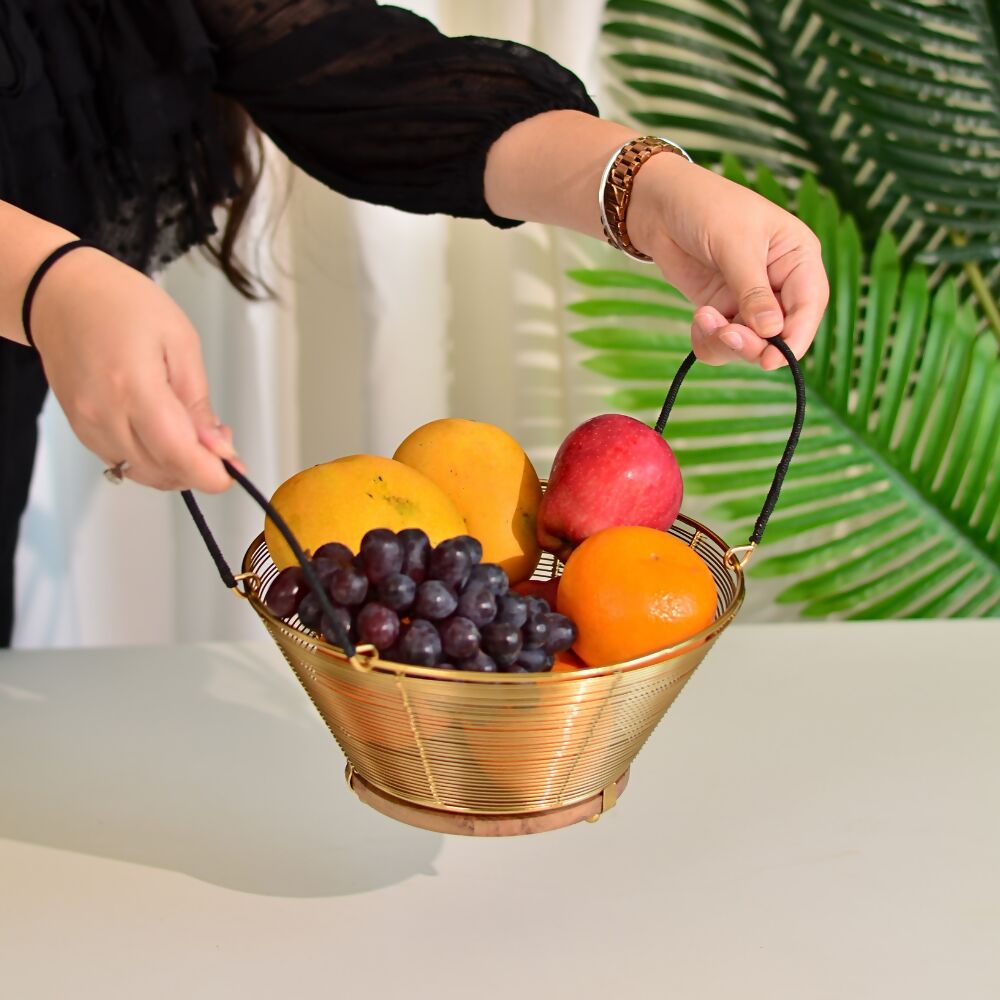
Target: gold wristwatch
point(616, 187)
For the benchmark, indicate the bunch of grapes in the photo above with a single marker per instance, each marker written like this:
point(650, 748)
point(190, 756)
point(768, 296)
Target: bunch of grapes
point(431, 606)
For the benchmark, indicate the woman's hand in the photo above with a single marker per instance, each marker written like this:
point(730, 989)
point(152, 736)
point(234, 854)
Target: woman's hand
point(752, 269)
point(125, 364)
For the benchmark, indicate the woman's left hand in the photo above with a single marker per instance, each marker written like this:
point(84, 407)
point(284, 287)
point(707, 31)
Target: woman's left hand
point(752, 269)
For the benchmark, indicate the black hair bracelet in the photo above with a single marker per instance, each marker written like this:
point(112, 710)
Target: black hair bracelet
point(36, 278)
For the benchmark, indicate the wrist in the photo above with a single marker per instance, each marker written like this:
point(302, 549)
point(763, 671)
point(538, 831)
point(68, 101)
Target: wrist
point(55, 288)
point(27, 242)
point(655, 188)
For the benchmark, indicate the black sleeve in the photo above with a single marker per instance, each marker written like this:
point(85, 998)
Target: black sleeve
point(376, 103)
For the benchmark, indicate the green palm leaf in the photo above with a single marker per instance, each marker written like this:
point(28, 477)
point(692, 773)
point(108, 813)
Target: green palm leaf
point(892, 504)
point(894, 107)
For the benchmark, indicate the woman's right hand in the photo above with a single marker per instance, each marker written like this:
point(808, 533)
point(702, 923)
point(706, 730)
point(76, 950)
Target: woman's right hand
point(125, 365)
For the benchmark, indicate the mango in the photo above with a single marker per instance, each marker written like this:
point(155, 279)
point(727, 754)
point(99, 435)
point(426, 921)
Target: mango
point(339, 501)
point(491, 482)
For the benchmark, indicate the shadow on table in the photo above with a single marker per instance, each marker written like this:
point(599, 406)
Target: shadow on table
point(217, 767)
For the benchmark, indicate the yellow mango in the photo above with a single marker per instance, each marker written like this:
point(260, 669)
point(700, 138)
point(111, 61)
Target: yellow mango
point(339, 501)
point(491, 481)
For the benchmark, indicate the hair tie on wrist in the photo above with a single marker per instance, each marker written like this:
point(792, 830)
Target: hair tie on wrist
point(36, 278)
point(615, 190)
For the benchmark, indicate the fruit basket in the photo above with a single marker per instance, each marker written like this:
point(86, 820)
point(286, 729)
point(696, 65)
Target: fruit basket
point(505, 753)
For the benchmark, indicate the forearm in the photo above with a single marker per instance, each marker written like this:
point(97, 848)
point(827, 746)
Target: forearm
point(26, 241)
point(548, 169)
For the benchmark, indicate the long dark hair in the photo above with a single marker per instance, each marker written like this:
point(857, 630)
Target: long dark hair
point(245, 150)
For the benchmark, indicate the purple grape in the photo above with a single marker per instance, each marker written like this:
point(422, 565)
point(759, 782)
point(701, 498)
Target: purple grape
point(459, 638)
point(381, 553)
point(416, 553)
point(534, 661)
point(561, 632)
point(336, 552)
point(472, 546)
point(501, 639)
point(537, 606)
point(450, 562)
point(392, 652)
point(397, 591)
point(534, 631)
point(310, 611)
point(435, 600)
point(343, 618)
point(480, 662)
point(286, 592)
point(492, 576)
point(478, 604)
point(324, 569)
point(512, 608)
point(420, 643)
point(348, 586)
point(378, 625)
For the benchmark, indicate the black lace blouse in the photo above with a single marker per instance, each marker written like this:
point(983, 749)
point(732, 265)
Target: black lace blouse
point(110, 124)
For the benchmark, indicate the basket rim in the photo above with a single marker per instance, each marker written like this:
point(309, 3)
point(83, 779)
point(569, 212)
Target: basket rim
point(375, 664)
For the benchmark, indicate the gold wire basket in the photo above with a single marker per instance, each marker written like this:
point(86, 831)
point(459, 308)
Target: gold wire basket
point(495, 744)
point(496, 754)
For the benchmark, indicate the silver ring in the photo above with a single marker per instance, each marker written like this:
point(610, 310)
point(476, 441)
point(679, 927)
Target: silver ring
point(116, 473)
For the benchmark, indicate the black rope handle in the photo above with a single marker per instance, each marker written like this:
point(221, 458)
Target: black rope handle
point(319, 591)
point(793, 437)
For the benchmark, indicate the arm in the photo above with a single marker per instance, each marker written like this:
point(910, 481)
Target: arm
point(119, 354)
point(752, 269)
point(376, 103)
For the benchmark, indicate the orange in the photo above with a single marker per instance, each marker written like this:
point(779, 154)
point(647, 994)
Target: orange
point(566, 661)
point(632, 591)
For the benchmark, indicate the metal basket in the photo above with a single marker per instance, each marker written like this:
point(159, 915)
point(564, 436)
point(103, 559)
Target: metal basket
point(466, 752)
point(495, 744)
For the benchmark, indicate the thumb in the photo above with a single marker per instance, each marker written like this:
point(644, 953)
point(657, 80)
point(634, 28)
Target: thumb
point(757, 304)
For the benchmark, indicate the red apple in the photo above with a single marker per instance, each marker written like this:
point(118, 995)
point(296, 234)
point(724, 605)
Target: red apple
point(612, 470)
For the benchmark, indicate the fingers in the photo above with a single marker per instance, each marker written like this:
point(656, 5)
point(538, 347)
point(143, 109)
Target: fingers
point(210, 432)
point(160, 445)
point(186, 374)
point(163, 428)
point(805, 292)
point(719, 341)
point(218, 439)
point(746, 275)
point(792, 305)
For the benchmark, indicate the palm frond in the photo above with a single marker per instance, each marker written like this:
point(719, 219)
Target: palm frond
point(892, 504)
point(895, 108)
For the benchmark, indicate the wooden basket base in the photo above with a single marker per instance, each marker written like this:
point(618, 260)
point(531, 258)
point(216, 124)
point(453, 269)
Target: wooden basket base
point(481, 824)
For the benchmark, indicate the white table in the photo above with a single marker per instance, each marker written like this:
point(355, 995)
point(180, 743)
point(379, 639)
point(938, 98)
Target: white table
point(817, 817)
